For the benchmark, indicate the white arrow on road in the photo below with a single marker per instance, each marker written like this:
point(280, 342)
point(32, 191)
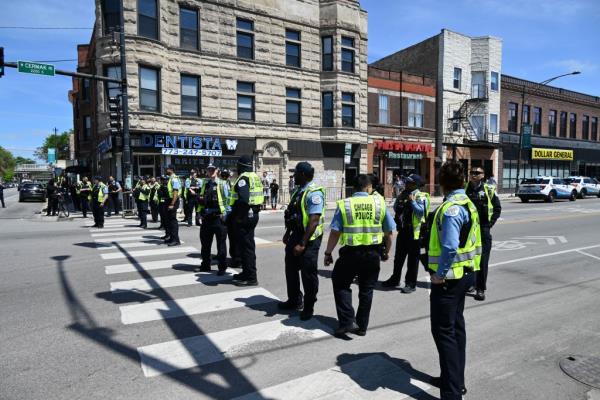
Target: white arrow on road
point(551, 240)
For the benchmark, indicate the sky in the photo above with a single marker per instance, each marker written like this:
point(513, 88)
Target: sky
point(541, 39)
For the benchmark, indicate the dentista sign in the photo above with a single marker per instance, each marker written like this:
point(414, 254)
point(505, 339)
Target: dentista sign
point(185, 145)
point(551, 154)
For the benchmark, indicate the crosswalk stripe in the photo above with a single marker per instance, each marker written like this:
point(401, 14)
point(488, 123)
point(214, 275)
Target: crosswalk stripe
point(157, 310)
point(127, 238)
point(133, 231)
point(149, 265)
point(115, 229)
point(161, 358)
point(147, 253)
point(115, 223)
point(129, 245)
point(261, 241)
point(373, 377)
point(171, 281)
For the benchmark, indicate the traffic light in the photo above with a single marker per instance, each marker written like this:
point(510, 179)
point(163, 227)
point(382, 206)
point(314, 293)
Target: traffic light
point(1, 61)
point(114, 110)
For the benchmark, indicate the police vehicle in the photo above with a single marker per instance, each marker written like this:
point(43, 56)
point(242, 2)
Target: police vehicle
point(546, 188)
point(584, 185)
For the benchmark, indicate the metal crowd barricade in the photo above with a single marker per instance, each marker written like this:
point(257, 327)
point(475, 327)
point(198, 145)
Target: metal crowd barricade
point(128, 204)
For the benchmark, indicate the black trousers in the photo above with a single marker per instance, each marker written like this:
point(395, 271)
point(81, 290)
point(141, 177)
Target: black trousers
point(213, 226)
point(244, 236)
point(2, 200)
point(162, 210)
point(143, 213)
point(98, 213)
point(186, 210)
point(486, 249)
point(190, 205)
point(52, 206)
point(447, 302)
point(234, 250)
point(154, 210)
point(362, 262)
point(304, 266)
point(85, 205)
point(172, 223)
point(114, 203)
point(406, 248)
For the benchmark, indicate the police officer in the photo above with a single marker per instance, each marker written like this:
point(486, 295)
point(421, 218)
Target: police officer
point(143, 199)
point(233, 252)
point(99, 198)
point(364, 225)
point(246, 200)
point(192, 186)
point(304, 220)
point(154, 199)
point(162, 195)
point(2, 195)
point(213, 208)
point(136, 196)
point(454, 255)
point(172, 204)
point(114, 188)
point(483, 195)
point(84, 190)
point(411, 209)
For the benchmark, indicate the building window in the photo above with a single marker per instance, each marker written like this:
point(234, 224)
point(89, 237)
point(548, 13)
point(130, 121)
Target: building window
point(292, 48)
point(526, 114)
point(347, 54)
point(494, 123)
point(457, 78)
point(594, 128)
point(573, 126)
point(188, 28)
point(494, 81)
point(190, 95)
point(455, 121)
point(348, 109)
point(327, 53)
point(245, 101)
point(513, 111)
point(415, 113)
point(585, 127)
point(245, 39)
point(111, 12)
point(293, 106)
point(148, 19)
point(563, 124)
point(112, 89)
point(87, 129)
point(149, 89)
point(552, 123)
point(537, 121)
point(384, 110)
point(85, 89)
point(327, 109)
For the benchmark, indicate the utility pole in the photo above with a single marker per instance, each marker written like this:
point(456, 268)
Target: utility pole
point(126, 162)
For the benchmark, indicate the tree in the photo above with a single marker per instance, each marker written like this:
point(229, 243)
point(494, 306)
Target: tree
point(61, 142)
point(23, 160)
point(7, 164)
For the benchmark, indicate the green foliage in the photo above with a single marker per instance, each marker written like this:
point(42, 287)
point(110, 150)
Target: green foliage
point(7, 164)
point(60, 141)
point(24, 160)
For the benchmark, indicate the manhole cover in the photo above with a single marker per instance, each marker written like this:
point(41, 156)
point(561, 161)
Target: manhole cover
point(584, 369)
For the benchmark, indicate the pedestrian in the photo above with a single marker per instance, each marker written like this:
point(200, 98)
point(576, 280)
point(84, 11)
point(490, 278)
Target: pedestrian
point(144, 197)
point(304, 219)
point(246, 200)
point(74, 193)
point(364, 226)
point(52, 196)
point(411, 210)
point(163, 196)
point(454, 255)
point(2, 194)
point(135, 192)
point(291, 185)
point(213, 208)
point(154, 199)
point(266, 183)
point(192, 187)
point(114, 188)
point(85, 195)
point(398, 186)
point(99, 199)
point(234, 253)
point(172, 204)
point(274, 187)
point(483, 195)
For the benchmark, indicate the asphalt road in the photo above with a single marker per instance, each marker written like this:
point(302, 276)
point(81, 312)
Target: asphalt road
point(100, 317)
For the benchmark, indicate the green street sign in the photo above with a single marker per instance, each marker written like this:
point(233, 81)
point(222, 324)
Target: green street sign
point(35, 68)
point(526, 132)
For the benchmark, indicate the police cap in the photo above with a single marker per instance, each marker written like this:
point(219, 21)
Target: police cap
point(414, 178)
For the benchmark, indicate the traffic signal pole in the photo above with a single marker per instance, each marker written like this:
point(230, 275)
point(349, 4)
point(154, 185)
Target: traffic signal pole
point(126, 161)
point(73, 74)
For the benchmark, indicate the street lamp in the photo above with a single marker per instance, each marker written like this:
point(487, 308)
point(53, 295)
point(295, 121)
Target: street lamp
point(543, 83)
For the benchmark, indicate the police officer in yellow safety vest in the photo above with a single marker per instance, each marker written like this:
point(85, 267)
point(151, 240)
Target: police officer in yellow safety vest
point(304, 219)
point(154, 200)
point(246, 199)
point(143, 198)
point(99, 197)
point(489, 209)
point(84, 190)
point(454, 256)
point(213, 207)
point(172, 204)
point(364, 226)
point(411, 209)
point(190, 192)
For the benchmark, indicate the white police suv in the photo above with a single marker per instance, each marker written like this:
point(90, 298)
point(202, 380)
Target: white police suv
point(546, 188)
point(584, 185)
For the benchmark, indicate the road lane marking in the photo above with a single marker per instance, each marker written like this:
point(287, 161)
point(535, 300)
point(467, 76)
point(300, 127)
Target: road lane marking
point(588, 254)
point(158, 310)
point(261, 241)
point(150, 265)
point(170, 281)
point(161, 358)
point(127, 238)
point(544, 255)
point(129, 245)
point(551, 240)
point(116, 229)
point(148, 253)
point(130, 232)
point(372, 377)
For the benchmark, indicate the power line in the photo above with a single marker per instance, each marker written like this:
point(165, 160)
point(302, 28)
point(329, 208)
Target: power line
point(45, 27)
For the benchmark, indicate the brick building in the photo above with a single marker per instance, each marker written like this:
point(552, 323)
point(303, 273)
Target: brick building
point(211, 80)
point(402, 121)
point(560, 119)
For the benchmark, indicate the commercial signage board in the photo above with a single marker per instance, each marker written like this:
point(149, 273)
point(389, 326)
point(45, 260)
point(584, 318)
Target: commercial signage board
point(51, 155)
point(189, 145)
point(405, 156)
point(551, 154)
point(527, 128)
point(35, 68)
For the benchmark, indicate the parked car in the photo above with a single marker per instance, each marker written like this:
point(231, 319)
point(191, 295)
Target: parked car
point(31, 191)
point(23, 182)
point(546, 188)
point(584, 185)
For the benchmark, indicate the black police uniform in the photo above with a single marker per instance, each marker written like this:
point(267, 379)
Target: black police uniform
point(114, 198)
point(191, 201)
point(51, 195)
point(2, 195)
point(479, 198)
point(84, 192)
point(213, 224)
point(163, 201)
point(153, 204)
point(172, 222)
point(97, 209)
point(244, 219)
point(144, 207)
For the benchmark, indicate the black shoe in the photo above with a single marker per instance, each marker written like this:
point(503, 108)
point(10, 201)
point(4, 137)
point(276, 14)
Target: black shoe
point(95, 226)
point(205, 268)
point(290, 306)
point(166, 238)
point(408, 289)
point(471, 290)
point(239, 277)
point(100, 226)
point(479, 295)
point(390, 283)
point(172, 244)
point(246, 282)
point(360, 332)
point(221, 272)
point(144, 226)
point(306, 314)
point(342, 331)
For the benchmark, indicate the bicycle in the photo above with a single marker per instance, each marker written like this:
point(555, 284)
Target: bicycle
point(62, 206)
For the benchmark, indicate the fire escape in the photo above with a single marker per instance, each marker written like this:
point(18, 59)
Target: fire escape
point(471, 117)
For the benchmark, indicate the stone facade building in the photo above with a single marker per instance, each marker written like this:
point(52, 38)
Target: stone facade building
point(209, 80)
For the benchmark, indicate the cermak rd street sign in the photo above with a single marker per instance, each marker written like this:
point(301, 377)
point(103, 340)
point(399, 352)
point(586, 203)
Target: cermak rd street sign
point(35, 68)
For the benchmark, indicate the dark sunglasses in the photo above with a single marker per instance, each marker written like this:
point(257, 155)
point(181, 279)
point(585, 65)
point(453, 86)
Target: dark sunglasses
point(476, 172)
